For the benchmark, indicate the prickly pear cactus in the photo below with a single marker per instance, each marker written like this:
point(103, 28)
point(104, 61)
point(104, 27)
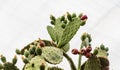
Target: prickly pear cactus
point(41, 54)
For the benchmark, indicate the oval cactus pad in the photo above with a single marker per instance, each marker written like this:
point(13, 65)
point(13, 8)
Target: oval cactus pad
point(52, 55)
point(35, 63)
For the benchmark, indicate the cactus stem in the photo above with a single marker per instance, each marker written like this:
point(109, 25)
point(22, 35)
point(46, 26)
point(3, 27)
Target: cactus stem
point(80, 58)
point(73, 67)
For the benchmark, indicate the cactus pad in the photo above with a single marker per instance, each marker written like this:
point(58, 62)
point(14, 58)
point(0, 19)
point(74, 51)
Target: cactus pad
point(52, 55)
point(9, 66)
point(35, 63)
point(69, 32)
point(102, 55)
point(93, 63)
point(51, 32)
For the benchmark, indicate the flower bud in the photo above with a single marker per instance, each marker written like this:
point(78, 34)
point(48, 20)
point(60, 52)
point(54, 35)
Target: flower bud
point(52, 22)
point(69, 16)
point(73, 15)
point(75, 51)
point(42, 66)
point(52, 17)
point(26, 53)
point(83, 22)
point(106, 49)
point(14, 60)
point(18, 51)
point(62, 18)
point(80, 15)
point(83, 37)
point(3, 58)
point(38, 51)
point(25, 60)
point(102, 47)
point(65, 21)
point(63, 25)
point(31, 51)
point(95, 52)
point(89, 37)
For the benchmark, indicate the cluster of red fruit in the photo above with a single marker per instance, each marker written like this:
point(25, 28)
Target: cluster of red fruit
point(85, 52)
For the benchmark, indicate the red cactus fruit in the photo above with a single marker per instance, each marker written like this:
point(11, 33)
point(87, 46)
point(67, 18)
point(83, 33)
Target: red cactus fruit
point(75, 51)
point(84, 17)
point(42, 43)
point(83, 52)
point(89, 48)
point(88, 55)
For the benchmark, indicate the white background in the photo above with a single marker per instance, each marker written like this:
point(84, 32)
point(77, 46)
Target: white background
point(23, 21)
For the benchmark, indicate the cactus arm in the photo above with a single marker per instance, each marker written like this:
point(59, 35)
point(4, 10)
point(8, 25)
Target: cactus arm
point(72, 65)
point(80, 58)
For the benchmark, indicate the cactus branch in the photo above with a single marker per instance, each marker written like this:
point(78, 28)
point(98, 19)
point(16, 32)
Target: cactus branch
point(72, 65)
point(80, 58)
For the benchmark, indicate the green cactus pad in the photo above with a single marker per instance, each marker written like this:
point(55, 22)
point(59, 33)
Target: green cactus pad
point(102, 55)
point(69, 32)
point(51, 32)
point(9, 66)
point(58, 29)
point(35, 63)
point(93, 63)
point(52, 55)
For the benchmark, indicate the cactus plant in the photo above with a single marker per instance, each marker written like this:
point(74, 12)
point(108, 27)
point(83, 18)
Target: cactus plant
point(41, 54)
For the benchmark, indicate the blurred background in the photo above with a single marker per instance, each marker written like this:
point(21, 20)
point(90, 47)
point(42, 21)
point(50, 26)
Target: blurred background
point(23, 21)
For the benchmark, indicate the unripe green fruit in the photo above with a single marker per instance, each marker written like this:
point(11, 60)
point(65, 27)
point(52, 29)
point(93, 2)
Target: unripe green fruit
point(25, 60)
point(52, 17)
point(102, 47)
point(95, 52)
point(80, 15)
point(52, 22)
point(83, 23)
point(3, 58)
point(107, 49)
point(73, 15)
point(69, 16)
point(42, 66)
point(14, 60)
point(18, 51)
point(26, 53)
point(31, 51)
point(62, 18)
point(65, 21)
point(38, 51)
point(63, 25)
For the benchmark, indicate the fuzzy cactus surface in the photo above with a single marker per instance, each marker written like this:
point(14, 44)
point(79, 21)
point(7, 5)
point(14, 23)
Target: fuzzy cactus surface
point(44, 54)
